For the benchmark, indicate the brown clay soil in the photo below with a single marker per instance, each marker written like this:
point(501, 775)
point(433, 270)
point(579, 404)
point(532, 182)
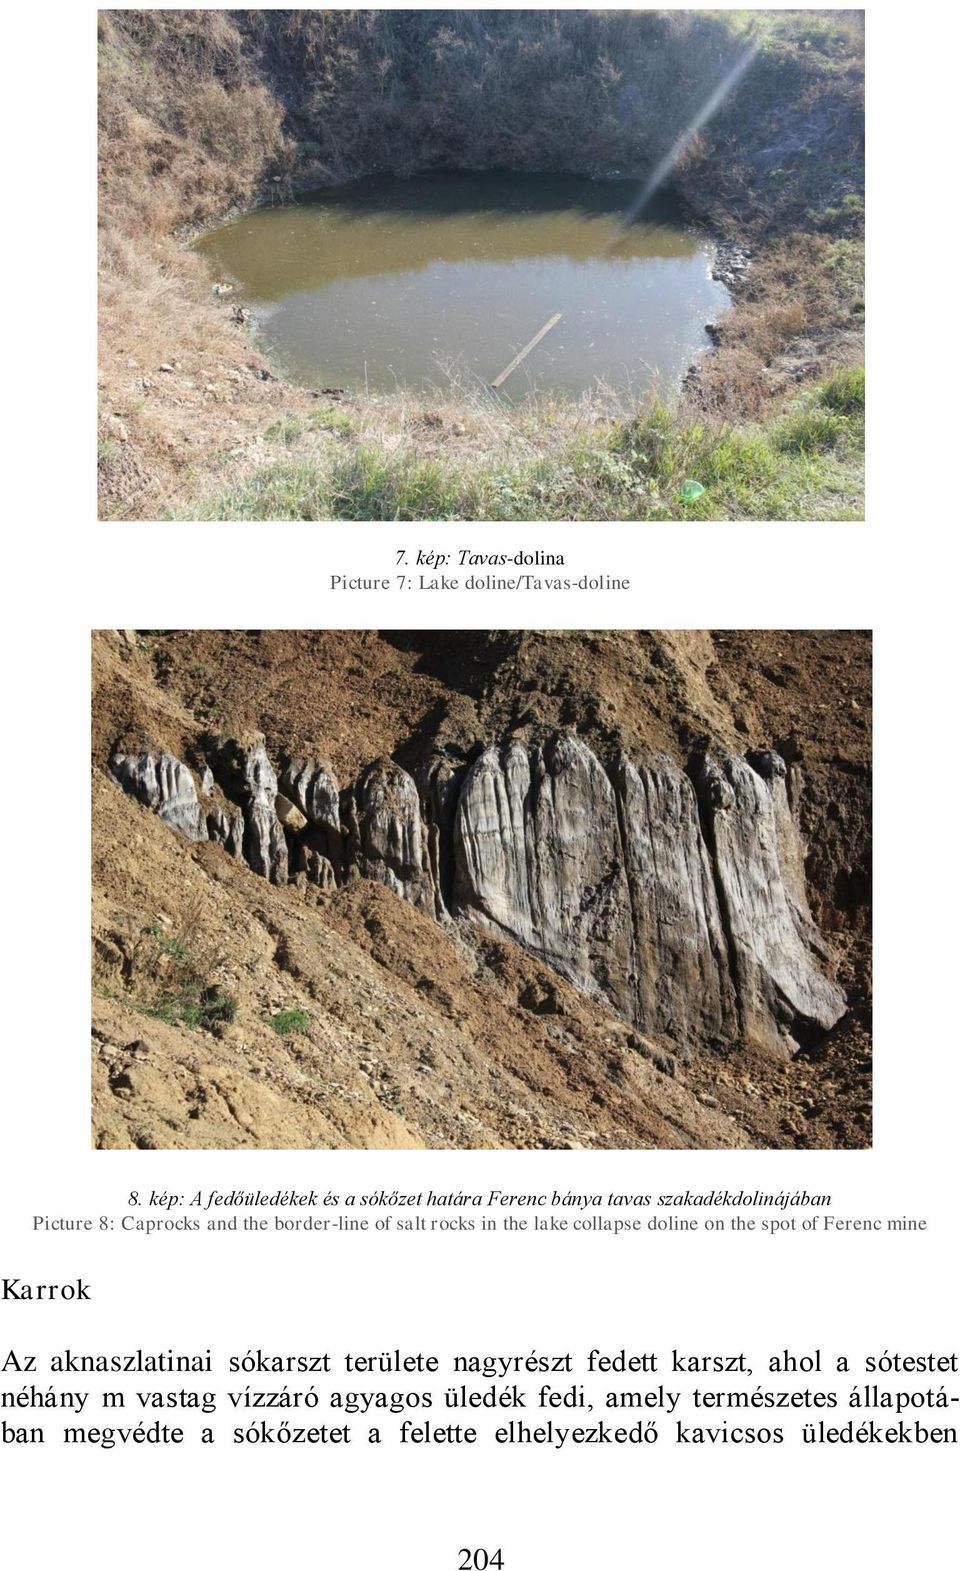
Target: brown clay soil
point(416, 1036)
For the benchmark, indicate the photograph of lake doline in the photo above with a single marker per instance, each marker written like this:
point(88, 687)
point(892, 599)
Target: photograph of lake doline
point(506, 265)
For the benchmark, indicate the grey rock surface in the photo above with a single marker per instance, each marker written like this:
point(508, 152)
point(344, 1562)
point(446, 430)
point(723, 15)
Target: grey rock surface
point(166, 786)
point(137, 774)
point(264, 843)
point(439, 786)
point(703, 938)
point(537, 855)
point(317, 867)
point(785, 784)
point(683, 984)
point(313, 787)
point(784, 998)
point(388, 838)
point(225, 828)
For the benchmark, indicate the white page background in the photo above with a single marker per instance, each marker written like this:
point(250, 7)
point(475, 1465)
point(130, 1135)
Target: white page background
point(363, 1507)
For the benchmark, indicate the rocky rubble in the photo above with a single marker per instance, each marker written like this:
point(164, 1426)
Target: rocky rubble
point(675, 897)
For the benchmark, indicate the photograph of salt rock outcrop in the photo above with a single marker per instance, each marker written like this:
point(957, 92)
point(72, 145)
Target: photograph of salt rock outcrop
point(481, 890)
point(481, 264)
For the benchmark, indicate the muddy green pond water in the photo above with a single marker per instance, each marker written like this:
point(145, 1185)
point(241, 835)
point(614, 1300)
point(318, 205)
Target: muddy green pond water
point(447, 276)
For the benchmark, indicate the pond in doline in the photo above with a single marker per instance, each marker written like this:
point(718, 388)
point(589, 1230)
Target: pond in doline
point(446, 276)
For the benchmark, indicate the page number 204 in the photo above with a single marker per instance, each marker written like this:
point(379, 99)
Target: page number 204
point(480, 1560)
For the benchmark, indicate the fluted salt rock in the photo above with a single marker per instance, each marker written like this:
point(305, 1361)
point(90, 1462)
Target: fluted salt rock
point(785, 784)
point(388, 835)
point(166, 786)
point(225, 828)
point(179, 804)
point(683, 984)
point(538, 856)
point(784, 997)
point(137, 774)
point(317, 868)
point(440, 784)
point(773, 769)
point(314, 789)
point(494, 875)
point(264, 842)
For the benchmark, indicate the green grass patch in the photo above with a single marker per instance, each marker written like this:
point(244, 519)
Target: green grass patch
point(289, 430)
point(811, 431)
point(845, 391)
point(844, 260)
point(833, 422)
point(333, 420)
point(172, 969)
point(367, 485)
point(289, 1022)
point(286, 431)
point(804, 464)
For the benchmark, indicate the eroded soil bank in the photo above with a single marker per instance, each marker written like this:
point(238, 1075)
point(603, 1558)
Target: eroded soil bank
point(211, 112)
point(343, 893)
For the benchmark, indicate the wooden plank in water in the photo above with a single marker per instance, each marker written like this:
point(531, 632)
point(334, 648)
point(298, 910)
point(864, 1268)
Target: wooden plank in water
point(499, 380)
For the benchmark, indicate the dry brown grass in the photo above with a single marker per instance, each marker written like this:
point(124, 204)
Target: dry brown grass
point(185, 128)
point(158, 428)
point(797, 316)
point(184, 134)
